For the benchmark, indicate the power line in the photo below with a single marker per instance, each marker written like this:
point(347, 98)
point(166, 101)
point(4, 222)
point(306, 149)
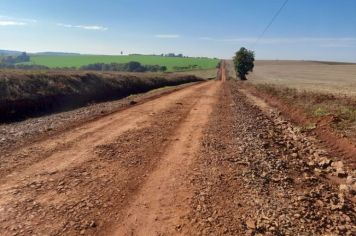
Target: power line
point(272, 20)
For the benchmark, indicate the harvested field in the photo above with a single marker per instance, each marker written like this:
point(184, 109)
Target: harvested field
point(26, 93)
point(326, 77)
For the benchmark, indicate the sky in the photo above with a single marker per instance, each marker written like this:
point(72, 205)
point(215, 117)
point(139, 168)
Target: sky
point(304, 30)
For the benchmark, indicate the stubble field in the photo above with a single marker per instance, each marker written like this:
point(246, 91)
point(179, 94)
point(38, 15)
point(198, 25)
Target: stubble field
point(327, 77)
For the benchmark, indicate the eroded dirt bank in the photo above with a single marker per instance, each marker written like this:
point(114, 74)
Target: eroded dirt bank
point(26, 94)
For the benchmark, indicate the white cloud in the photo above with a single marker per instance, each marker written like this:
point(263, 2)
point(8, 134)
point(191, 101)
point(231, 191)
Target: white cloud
point(11, 23)
point(167, 36)
point(86, 27)
point(23, 20)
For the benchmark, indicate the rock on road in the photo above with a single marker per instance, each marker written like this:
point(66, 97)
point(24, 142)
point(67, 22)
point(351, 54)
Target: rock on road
point(208, 159)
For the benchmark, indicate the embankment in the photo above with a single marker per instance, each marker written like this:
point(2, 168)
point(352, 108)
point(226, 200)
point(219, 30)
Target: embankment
point(29, 93)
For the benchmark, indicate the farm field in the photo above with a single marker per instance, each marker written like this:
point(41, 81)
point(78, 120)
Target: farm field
point(336, 78)
point(81, 60)
point(205, 74)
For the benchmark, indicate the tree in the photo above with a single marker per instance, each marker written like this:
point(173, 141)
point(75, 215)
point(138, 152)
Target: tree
point(11, 60)
point(23, 57)
point(244, 62)
point(134, 66)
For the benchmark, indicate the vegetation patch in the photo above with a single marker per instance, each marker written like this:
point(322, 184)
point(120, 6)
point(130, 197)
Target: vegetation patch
point(21, 61)
point(339, 109)
point(320, 111)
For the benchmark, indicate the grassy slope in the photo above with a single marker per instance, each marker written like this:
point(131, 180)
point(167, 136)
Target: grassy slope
point(80, 60)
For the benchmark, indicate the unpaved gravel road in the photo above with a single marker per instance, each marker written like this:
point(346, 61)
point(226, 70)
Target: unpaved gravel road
point(209, 159)
point(103, 176)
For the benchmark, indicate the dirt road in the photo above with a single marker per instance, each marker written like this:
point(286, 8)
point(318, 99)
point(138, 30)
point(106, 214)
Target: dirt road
point(209, 159)
point(116, 174)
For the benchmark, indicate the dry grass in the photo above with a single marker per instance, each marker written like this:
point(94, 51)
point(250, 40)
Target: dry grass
point(318, 104)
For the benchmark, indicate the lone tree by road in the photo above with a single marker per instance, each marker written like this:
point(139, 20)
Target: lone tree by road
point(244, 62)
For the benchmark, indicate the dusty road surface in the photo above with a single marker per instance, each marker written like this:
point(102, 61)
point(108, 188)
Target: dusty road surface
point(209, 159)
point(118, 174)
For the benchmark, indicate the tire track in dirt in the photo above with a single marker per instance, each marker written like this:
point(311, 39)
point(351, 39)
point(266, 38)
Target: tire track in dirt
point(163, 202)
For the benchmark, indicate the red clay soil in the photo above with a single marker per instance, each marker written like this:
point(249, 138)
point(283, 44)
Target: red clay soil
point(340, 146)
point(97, 178)
point(223, 71)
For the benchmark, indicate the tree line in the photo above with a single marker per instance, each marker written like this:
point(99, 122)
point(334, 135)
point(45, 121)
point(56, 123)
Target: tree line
point(132, 66)
point(11, 60)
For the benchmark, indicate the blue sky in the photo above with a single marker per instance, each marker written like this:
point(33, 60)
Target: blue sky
point(305, 29)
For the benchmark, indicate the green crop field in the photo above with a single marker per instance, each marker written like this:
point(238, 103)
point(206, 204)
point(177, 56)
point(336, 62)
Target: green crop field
point(81, 60)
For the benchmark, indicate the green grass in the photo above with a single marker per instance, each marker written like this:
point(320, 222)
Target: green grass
point(80, 60)
point(320, 111)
